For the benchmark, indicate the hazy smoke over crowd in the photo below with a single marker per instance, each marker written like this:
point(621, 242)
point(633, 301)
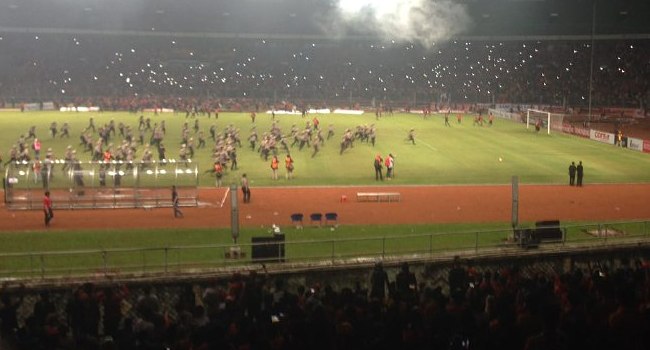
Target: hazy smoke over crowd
point(422, 21)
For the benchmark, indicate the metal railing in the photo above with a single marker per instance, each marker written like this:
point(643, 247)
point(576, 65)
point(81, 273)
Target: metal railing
point(200, 258)
point(100, 184)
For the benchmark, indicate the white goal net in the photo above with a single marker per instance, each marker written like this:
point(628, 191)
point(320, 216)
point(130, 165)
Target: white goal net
point(542, 120)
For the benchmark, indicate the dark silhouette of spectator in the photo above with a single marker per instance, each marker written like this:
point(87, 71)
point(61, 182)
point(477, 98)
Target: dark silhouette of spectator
point(406, 284)
point(458, 279)
point(378, 282)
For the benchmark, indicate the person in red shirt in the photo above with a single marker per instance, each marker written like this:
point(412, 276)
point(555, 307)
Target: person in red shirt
point(47, 208)
point(37, 148)
point(390, 163)
point(107, 156)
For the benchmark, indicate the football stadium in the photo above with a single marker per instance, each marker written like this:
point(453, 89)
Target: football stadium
point(325, 174)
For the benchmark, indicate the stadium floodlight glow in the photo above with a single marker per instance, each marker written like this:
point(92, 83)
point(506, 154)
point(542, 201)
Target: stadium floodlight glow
point(179, 171)
point(149, 172)
point(381, 7)
point(91, 173)
point(162, 171)
point(188, 171)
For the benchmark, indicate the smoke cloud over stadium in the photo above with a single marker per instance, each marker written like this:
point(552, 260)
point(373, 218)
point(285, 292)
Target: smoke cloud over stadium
point(421, 21)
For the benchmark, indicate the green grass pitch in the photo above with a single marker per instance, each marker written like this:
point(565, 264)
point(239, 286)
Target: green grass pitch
point(460, 154)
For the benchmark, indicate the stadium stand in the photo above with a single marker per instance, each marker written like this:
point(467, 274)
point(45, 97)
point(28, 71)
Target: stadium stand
point(598, 303)
point(541, 72)
point(178, 57)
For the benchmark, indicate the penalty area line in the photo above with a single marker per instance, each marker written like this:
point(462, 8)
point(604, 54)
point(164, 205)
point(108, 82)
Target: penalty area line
point(225, 195)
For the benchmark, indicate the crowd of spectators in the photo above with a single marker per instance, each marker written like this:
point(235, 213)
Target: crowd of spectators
point(119, 72)
point(505, 308)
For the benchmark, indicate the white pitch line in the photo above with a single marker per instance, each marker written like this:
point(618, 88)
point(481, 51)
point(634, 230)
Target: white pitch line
point(428, 145)
point(225, 195)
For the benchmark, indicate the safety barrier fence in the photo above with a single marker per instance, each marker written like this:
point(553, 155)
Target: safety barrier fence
point(98, 184)
point(174, 260)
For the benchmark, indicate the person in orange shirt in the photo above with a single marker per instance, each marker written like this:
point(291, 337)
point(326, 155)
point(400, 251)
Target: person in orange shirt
point(218, 173)
point(288, 163)
point(274, 167)
point(379, 162)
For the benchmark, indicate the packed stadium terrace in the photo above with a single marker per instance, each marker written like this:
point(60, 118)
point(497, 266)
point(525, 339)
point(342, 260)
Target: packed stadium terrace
point(599, 307)
point(66, 68)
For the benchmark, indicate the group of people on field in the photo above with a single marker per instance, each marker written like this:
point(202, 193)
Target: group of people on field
point(379, 164)
point(576, 174)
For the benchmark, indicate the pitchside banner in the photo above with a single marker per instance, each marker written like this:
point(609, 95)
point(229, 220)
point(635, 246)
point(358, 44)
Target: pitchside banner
point(646, 146)
point(635, 144)
point(601, 136)
point(575, 130)
point(31, 107)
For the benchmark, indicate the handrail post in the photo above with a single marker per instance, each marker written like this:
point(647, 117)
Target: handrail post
point(383, 248)
point(166, 253)
point(105, 262)
point(31, 264)
point(42, 259)
point(600, 230)
point(144, 261)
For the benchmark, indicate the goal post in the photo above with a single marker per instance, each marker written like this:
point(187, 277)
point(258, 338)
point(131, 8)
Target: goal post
point(547, 120)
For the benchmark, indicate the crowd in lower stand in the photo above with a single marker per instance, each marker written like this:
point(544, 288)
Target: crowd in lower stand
point(504, 308)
